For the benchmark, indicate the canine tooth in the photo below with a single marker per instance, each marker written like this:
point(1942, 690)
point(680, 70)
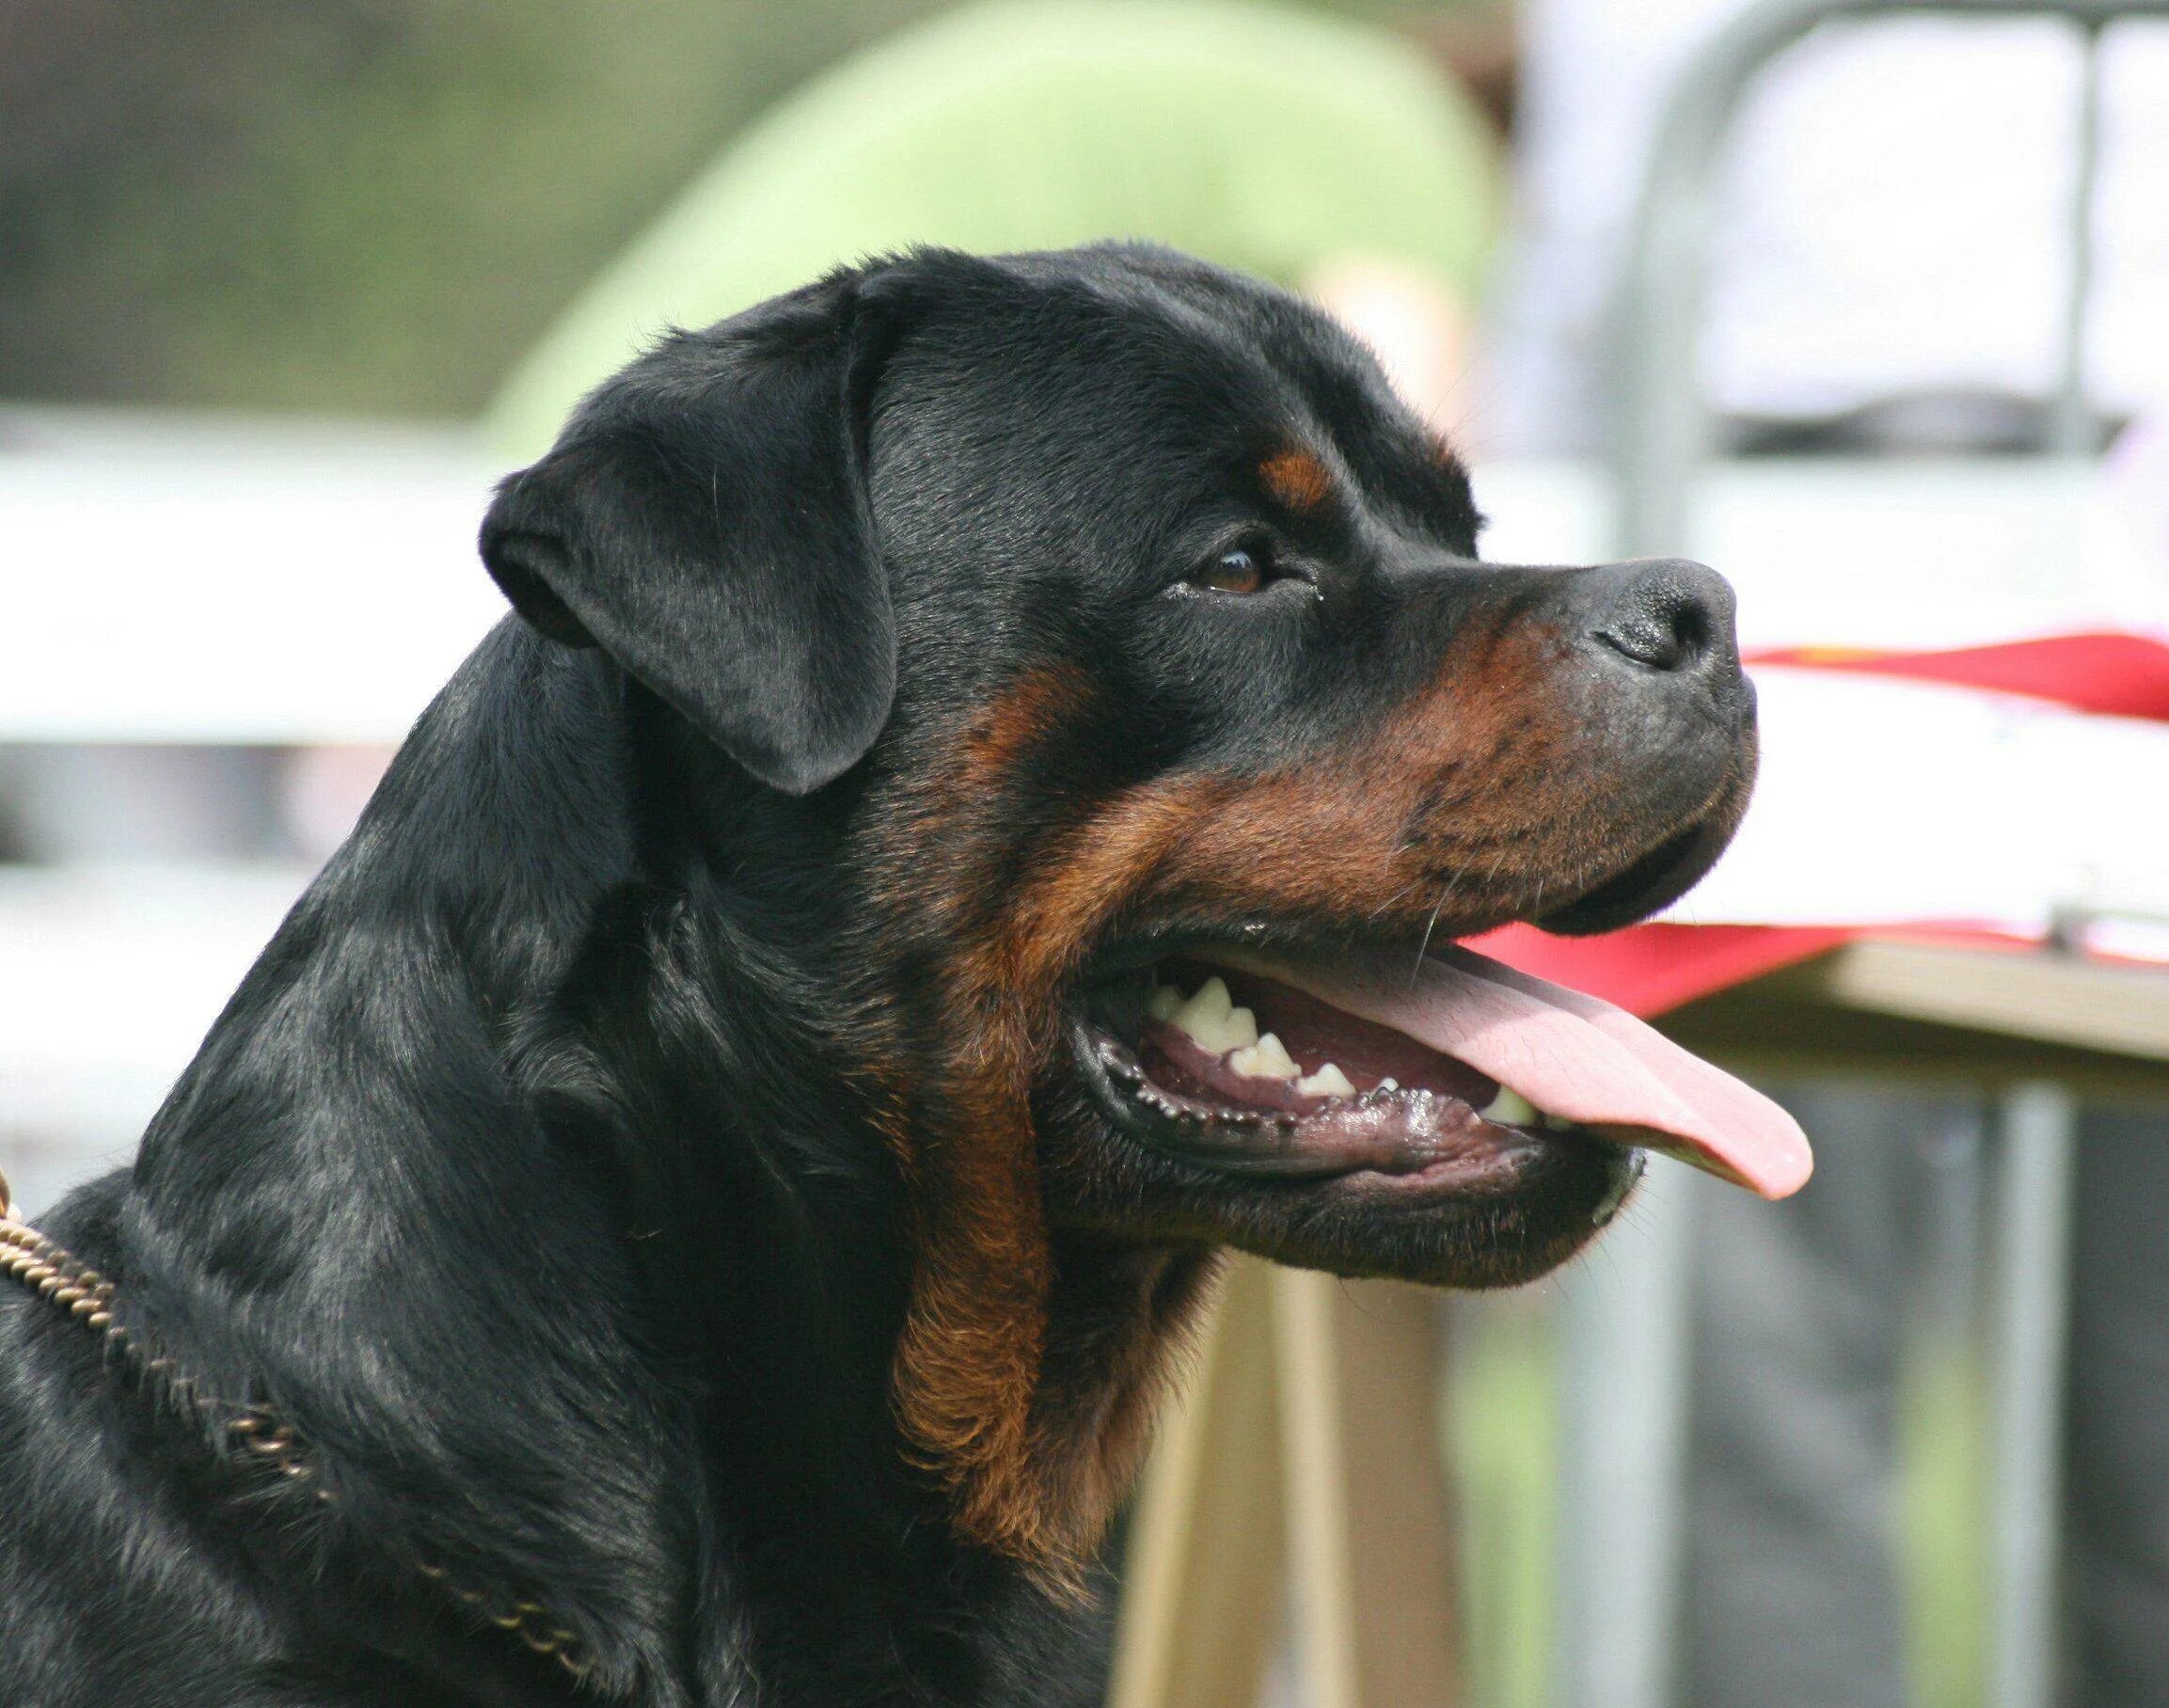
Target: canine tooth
point(1389, 1084)
point(1509, 1109)
point(1213, 1021)
point(1267, 1059)
point(1328, 1082)
point(1163, 1001)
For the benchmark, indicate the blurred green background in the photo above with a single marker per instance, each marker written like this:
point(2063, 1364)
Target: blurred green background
point(364, 206)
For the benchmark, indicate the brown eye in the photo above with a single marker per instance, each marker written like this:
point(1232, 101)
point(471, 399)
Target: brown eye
point(1234, 572)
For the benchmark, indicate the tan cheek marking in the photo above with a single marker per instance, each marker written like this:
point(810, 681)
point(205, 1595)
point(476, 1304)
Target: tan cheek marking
point(1042, 701)
point(977, 1324)
point(1296, 478)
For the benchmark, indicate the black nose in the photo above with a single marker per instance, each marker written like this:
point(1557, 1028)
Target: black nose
point(1665, 614)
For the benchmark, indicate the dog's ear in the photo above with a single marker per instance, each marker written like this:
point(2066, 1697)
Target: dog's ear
point(703, 518)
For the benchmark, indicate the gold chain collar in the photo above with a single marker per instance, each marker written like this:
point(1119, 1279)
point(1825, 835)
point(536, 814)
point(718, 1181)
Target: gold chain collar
point(56, 1275)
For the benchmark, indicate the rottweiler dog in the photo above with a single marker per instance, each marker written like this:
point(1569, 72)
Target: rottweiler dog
point(970, 819)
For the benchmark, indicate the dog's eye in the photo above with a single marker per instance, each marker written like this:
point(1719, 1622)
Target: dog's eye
point(1234, 572)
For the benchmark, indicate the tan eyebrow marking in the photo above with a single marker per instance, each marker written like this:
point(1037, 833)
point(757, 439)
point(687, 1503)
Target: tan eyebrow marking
point(1296, 478)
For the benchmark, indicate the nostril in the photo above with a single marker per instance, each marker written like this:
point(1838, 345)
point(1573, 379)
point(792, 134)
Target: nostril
point(1665, 616)
point(1665, 640)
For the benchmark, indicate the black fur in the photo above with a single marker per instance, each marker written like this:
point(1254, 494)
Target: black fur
point(704, 519)
point(540, 1172)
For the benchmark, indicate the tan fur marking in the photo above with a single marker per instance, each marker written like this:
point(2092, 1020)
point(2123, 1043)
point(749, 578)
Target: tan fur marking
point(1297, 478)
point(975, 1327)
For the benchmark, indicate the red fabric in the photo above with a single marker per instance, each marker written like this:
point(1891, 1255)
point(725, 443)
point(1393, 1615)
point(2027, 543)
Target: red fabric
point(2125, 675)
point(1649, 969)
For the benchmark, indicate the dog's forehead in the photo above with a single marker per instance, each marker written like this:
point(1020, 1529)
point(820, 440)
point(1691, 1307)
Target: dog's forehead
point(1147, 364)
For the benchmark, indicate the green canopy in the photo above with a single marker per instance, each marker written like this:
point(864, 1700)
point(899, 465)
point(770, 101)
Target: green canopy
point(1262, 138)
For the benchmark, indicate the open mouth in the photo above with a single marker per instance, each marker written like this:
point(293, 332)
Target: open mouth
point(1446, 1071)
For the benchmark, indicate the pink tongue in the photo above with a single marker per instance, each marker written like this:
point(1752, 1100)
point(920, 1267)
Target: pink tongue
point(1567, 1054)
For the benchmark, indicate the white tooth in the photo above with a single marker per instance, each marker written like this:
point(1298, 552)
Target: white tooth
point(1267, 1059)
point(1217, 1034)
point(1204, 1014)
point(1163, 1001)
point(1389, 1085)
point(1328, 1082)
point(1211, 999)
point(1213, 1022)
point(1509, 1109)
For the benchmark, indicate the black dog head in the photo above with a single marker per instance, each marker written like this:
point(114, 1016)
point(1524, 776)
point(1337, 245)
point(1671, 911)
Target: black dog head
point(1079, 629)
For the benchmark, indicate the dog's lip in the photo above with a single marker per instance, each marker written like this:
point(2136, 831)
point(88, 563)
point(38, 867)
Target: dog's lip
point(1672, 865)
point(1412, 1142)
point(1654, 881)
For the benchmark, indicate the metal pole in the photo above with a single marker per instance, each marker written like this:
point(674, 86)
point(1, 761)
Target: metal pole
point(1656, 425)
point(2034, 1165)
point(1625, 1422)
point(2072, 432)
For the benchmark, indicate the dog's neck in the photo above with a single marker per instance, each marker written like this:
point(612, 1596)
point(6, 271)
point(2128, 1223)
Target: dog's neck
point(529, 1239)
